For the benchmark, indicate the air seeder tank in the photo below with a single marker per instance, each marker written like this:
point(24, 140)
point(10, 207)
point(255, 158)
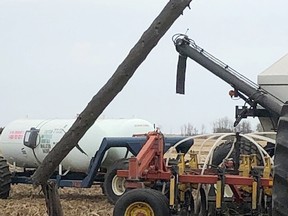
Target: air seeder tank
point(275, 80)
point(16, 133)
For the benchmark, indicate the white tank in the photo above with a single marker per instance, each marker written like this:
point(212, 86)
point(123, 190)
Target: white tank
point(50, 132)
point(274, 80)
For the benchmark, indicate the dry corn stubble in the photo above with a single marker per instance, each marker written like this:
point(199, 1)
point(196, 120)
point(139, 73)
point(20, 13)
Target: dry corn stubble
point(26, 201)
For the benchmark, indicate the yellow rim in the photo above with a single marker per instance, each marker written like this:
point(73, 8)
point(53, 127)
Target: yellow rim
point(139, 209)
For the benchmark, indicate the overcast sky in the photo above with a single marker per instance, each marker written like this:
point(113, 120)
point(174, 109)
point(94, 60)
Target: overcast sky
point(56, 54)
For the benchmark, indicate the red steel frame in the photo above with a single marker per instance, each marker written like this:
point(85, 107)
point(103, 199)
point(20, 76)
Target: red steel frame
point(149, 162)
point(149, 165)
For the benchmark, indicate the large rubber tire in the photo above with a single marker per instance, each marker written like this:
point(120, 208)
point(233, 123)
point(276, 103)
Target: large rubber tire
point(114, 186)
point(280, 183)
point(220, 153)
point(5, 179)
point(145, 201)
point(246, 148)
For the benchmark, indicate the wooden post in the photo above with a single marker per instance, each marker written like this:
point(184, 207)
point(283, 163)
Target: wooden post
point(101, 100)
point(52, 199)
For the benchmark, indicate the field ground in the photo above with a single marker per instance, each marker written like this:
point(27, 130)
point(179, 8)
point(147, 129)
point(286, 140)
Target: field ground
point(24, 200)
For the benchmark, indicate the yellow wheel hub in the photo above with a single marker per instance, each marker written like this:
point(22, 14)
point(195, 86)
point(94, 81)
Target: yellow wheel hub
point(139, 209)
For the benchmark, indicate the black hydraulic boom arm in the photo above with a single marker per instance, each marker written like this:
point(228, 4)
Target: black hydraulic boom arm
point(187, 48)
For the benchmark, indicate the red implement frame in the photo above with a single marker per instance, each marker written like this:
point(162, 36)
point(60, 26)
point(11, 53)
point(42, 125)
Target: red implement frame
point(149, 165)
point(149, 160)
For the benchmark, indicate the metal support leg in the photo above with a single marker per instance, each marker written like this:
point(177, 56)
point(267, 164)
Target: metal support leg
point(220, 191)
point(255, 192)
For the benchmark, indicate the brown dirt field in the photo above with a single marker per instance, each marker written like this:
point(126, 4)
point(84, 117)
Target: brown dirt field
point(24, 200)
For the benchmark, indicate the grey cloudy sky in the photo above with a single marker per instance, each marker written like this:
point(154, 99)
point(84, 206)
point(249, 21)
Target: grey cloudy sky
point(56, 54)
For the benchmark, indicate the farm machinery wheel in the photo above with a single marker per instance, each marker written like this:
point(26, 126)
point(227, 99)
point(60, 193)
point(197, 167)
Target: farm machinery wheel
point(114, 186)
point(223, 149)
point(280, 185)
point(146, 202)
point(5, 179)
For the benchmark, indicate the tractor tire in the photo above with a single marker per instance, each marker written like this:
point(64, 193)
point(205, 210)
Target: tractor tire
point(142, 202)
point(159, 194)
point(5, 179)
point(114, 186)
point(220, 153)
point(246, 148)
point(280, 184)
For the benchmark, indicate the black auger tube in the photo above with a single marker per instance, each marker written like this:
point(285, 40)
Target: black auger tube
point(265, 100)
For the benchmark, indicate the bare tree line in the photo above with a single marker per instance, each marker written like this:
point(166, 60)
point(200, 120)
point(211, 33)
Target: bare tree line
point(221, 125)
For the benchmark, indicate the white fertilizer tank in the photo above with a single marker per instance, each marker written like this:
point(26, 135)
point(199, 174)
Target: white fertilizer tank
point(15, 134)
